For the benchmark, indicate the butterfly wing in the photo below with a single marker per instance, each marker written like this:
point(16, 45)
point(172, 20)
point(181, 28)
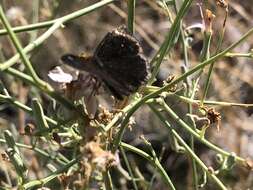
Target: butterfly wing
point(130, 72)
point(118, 43)
point(79, 62)
point(120, 60)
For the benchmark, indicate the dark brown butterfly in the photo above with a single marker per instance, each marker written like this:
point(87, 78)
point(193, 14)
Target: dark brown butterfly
point(117, 61)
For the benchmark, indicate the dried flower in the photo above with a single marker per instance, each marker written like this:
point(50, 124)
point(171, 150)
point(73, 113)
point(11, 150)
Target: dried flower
point(208, 19)
point(97, 156)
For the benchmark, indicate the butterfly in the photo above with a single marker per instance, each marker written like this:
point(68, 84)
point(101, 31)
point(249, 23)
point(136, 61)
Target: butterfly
point(118, 62)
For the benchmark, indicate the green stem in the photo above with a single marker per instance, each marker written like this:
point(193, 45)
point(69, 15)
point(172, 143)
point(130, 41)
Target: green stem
point(247, 55)
point(154, 162)
point(11, 100)
point(68, 18)
point(208, 102)
point(205, 52)
point(29, 27)
point(19, 48)
point(128, 168)
point(190, 92)
point(40, 152)
point(29, 80)
point(44, 181)
point(108, 180)
point(195, 134)
point(191, 100)
point(35, 19)
point(189, 150)
point(210, 71)
point(131, 15)
point(169, 40)
point(56, 24)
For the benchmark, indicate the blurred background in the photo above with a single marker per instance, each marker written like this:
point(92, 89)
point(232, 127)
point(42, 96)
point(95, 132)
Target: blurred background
point(232, 80)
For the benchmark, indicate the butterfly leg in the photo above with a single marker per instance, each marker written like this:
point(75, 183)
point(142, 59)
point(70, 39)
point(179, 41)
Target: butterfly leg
point(95, 84)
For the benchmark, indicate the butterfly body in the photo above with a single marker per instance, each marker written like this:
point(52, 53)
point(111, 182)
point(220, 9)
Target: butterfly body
point(117, 61)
